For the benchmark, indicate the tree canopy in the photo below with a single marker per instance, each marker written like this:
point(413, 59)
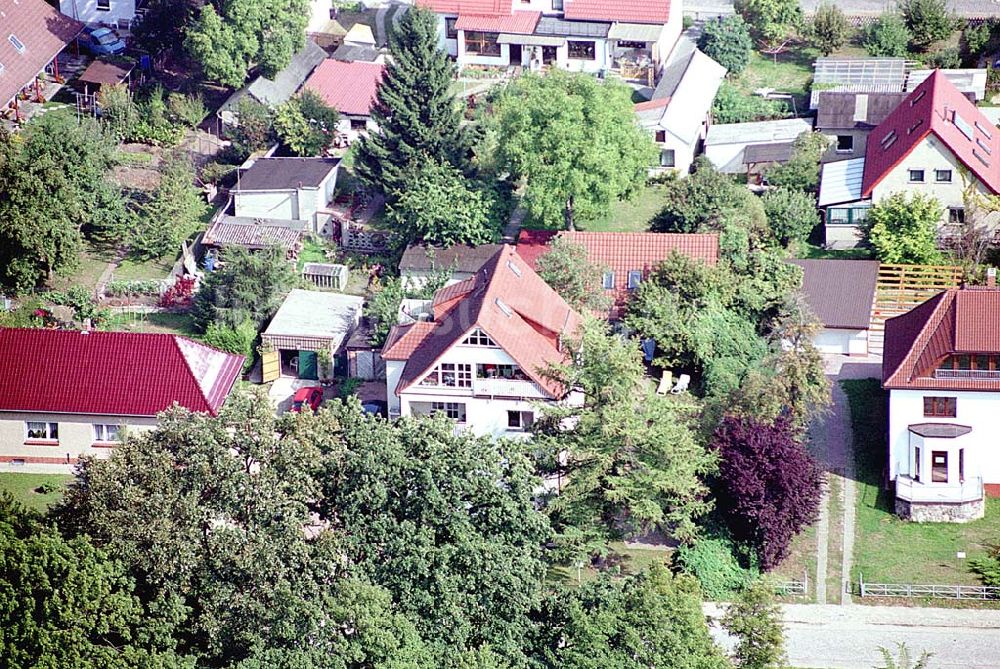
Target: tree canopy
point(226, 39)
point(247, 286)
point(772, 22)
point(888, 36)
point(727, 41)
point(903, 229)
point(567, 269)
point(174, 211)
point(829, 29)
point(418, 117)
point(545, 137)
point(305, 124)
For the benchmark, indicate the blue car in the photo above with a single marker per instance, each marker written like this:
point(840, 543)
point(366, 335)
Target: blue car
point(102, 42)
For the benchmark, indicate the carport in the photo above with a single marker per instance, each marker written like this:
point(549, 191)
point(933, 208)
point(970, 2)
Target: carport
point(305, 339)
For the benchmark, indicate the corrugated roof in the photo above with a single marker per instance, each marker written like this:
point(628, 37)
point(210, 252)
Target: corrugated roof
point(351, 52)
point(518, 23)
point(840, 292)
point(956, 321)
point(631, 11)
point(840, 181)
point(350, 88)
point(239, 231)
point(937, 107)
point(460, 257)
point(42, 33)
point(972, 80)
point(771, 152)
point(860, 75)
point(758, 132)
point(111, 373)
point(286, 82)
point(510, 303)
point(286, 173)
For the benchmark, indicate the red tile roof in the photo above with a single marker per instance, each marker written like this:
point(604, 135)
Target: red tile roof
point(935, 106)
point(111, 373)
point(652, 104)
point(957, 321)
point(518, 23)
point(629, 11)
point(349, 88)
point(482, 7)
point(505, 299)
point(622, 252)
point(42, 30)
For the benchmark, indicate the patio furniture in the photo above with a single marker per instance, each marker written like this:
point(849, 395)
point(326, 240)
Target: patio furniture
point(683, 381)
point(665, 382)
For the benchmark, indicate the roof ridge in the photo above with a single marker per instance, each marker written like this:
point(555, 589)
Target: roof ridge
point(945, 299)
point(187, 365)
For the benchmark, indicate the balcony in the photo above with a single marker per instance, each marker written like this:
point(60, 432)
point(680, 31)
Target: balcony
point(514, 388)
point(970, 490)
point(984, 374)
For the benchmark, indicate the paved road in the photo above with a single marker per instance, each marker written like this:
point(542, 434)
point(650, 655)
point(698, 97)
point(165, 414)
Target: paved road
point(835, 637)
point(965, 8)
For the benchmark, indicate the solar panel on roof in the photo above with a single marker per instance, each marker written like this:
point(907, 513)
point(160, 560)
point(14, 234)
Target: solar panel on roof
point(963, 126)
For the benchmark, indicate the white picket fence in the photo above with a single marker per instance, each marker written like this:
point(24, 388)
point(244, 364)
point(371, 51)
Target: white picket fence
point(934, 591)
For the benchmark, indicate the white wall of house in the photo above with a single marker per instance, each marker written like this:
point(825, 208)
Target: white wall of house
point(300, 204)
point(600, 61)
point(89, 12)
point(977, 410)
point(842, 341)
point(353, 134)
point(930, 155)
point(670, 34)
point(75, 432)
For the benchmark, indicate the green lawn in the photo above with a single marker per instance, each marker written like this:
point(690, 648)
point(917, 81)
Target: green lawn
point(88, 271)
point(313, 250)
point(632, 215)
point(790, 73)
point(888, 549)
point(131, 269)
point(160, 322)
point(632, 561)
point(25, 488)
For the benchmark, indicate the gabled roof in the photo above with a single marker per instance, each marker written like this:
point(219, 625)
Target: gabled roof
point(286, 173)
point(350, 88)
point(937, 107)
point(956, 321)
point(111, 373)
point(692, 100)
point(505, 299)
point(40, 31)
point(273, 92)
point(840, 292)
point(630, 11)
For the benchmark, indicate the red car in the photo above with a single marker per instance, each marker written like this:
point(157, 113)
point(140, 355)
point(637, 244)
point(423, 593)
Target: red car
point(311, 396)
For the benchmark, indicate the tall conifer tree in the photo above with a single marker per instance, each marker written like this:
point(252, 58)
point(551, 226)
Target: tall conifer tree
point(418, 117)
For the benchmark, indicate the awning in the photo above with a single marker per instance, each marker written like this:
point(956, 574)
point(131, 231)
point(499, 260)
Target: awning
point(939, 430)
point(531, 40)
point(840, 181)
point(635, 32)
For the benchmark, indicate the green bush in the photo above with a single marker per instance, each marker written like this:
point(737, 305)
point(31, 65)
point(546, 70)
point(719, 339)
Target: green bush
point(791, 214)
point(974, 40)
point(734, 106)
point(946, 58)
point(727, 40)
point(188, 110)
point(239, 340)
point(988, 567)
point(138, 287)
point(888, 36)
point(829, 29)
point(718, 564)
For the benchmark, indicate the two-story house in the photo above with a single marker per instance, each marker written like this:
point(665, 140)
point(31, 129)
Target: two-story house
point(481, 355)
point(631, 38)
point(936, 143)
point(846, 119)
point(942, 370)
point(68, 393)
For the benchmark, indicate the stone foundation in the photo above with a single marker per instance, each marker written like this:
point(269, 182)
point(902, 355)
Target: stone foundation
point(937, 512)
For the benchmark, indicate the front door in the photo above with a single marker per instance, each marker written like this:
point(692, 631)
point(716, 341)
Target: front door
point(939, 466)
point(548, 55)
point(307, 365)
point(515, 54)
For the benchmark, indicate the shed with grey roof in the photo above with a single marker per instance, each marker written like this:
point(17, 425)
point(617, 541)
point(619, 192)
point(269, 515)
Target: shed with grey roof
point(311, 325)
point(422, 262)
point(841, 293)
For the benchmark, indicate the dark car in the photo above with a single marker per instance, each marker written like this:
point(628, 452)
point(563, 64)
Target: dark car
point(102, 41)
point(310, 396)
point(375, 408)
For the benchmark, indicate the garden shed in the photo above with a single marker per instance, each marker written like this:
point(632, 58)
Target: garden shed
point(325, 275)
point(306, 338)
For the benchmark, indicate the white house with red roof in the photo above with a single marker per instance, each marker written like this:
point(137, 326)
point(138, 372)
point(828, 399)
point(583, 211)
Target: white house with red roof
point(481, 353)
point(350, 88)
point(942, 370)
point(631, 37)
point(934, 143)
point(68, 393)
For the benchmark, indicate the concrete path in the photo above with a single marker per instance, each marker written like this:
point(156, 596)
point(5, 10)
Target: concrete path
point(849, 637)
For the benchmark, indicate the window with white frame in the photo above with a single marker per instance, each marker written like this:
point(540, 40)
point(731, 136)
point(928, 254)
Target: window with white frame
point(107, 432)
point(41, 431)
point(520, 420)
point(916, 176)
point(668, 158)
point(942, 176)
point(478, 338)
point(453, 410)
point(453, 375)
point(104, 5)
point(634, 278)
point(608, 280)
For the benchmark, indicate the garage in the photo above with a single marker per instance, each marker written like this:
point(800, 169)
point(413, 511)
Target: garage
point(306, 338)
point(841, 294)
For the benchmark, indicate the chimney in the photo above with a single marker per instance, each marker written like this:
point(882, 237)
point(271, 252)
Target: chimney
point(991, 277)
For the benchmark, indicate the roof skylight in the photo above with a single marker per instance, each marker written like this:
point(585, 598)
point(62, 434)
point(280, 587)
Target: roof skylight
point(514, 268)
point(984, 146)
point(984, 130)
point(507, 311)
point(18, 44)
point(913, 127)
point(919, 96)
point(963, 126)
point(981, 157)
point(889, 140)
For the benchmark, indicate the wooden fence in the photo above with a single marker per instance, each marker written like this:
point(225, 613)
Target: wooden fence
point(907, 590)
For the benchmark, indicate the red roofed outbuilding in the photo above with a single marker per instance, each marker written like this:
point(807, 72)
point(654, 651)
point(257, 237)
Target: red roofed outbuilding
point(350, 88)
point(67, 393)
point(942, 370)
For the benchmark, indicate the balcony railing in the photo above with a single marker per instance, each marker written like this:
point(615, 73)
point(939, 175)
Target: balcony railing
point(967, 374)
point(507, 388)
point(909, 490)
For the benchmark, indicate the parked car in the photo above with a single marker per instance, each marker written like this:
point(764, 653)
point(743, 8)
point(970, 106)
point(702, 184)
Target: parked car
point(376, 408)
point(102, 41)
point(310, 396)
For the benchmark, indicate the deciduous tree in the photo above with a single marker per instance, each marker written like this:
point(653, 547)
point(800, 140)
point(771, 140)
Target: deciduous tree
point(801, 172)
point(768, 487)
point(727, 41)
point(791, 214)
point(174, 211)
point(772, 22)
point(306, 124)
point(903, 229)
point(829, 29)
point(417, 114)
point(568, 270)
point(546, 129)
